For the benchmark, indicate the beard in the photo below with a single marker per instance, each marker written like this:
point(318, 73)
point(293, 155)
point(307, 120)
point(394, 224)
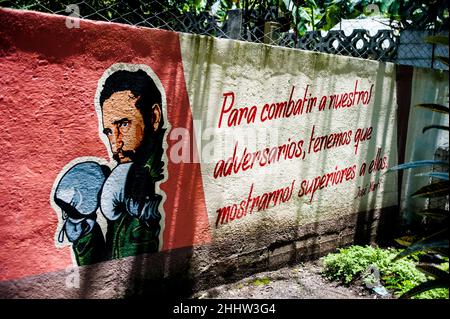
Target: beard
point(146, 168)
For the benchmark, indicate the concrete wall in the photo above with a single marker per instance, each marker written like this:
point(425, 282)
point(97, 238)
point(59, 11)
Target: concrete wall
point(145, 161)
point(427, 86)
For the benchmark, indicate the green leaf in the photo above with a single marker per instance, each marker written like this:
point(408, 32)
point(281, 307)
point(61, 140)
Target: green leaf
point(312, 3)
point(433, 271)
point(437, 39)
point(433, 190)
point(439, 127)
point(439, 175)
point(437, 240)
point(434, 107)
point(428, 285)
point(303, 14)
point(405, 240)
point(301, 28)
point(435, 213)
point(440, 251)
point(417, 164)
point(385, 5)
point(286, 3)
point(332, 17)
point(443, 59)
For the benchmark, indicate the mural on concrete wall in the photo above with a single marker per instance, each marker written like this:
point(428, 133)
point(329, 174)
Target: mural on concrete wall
point(284, 139)
point(130, 105)
point(100, 186)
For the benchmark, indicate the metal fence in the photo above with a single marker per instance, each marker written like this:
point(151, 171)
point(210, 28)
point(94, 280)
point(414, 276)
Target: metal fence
point(370, 38)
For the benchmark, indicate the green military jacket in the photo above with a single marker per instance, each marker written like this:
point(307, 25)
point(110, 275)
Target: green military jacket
point(126, 236)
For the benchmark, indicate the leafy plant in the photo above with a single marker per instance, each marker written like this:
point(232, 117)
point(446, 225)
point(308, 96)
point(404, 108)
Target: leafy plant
point(298, 15)
point(407, 14)
point(437, 242)
point(399, 276)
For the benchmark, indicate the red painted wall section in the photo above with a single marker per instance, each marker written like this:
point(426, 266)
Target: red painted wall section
point(48, 79)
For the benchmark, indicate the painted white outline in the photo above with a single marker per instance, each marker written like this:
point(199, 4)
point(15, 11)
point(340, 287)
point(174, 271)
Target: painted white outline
point(112, 163)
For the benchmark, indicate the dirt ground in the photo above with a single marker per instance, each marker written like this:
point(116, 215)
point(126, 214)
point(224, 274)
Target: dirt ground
point(302, 281)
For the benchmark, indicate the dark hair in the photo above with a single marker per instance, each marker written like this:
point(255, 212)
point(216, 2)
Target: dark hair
point(141, 85)
point(147, 165)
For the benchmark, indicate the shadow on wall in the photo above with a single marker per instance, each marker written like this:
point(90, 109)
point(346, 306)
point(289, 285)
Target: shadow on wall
point(370, 225)
point(382, 226)
point(163, 274)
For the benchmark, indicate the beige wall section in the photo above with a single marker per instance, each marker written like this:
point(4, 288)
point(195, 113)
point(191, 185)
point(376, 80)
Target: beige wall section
point(260, 74)
point(428, 86)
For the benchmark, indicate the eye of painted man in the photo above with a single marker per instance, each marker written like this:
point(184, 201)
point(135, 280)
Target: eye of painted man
point(107, 131)
point(123, 124)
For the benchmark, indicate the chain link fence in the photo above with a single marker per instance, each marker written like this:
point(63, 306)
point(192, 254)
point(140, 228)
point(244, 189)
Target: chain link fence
point(369, 38)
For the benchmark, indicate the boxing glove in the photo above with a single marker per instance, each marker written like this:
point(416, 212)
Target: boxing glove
point(77, 194)
point(114, 199)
